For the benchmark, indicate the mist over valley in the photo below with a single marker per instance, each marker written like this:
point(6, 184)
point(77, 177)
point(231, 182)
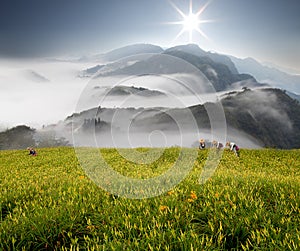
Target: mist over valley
point(151, 97)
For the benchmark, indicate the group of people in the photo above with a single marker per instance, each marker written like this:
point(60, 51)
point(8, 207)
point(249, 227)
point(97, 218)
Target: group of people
point(218, 145)
point(202, 145)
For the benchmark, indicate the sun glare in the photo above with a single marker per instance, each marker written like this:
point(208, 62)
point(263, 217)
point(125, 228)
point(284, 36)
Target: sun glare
point(190, 22)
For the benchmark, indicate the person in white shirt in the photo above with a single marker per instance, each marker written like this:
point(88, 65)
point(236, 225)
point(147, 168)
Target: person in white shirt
point(233, 147)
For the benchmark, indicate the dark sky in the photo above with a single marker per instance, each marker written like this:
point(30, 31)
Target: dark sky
point(268, 30)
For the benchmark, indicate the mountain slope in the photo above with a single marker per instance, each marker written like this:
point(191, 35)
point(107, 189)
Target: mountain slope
point(89, 72)
point(197, 51)
point(125, 51)
point(219, 74)
point(267, 74)
point(293, 95)
point(269, 116)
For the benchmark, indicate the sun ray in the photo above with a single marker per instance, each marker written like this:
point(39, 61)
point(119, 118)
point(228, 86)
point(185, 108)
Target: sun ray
point(207, 21)
point(177, 9)
point(191, 36)
point(179, 34)
point(191, 6)
point(174, 22)
point(202, 34)
point(202, 9)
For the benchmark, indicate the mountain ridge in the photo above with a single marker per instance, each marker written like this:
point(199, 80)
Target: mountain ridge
point(267, 115)
point(124, 51)
point(197, 51)
point(266, 74)
point(221, 72)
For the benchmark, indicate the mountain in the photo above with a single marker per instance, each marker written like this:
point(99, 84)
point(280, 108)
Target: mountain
point(89, 72)
point(121, 90)
point(268, 75)
point(218, 73)
point(35, 77)
point(197, 51)
point(293, 95)
point(139, 65)
point(131, 50)
point(221, 70)
point(263, 116)
point(281, 68)
point(267, 116)
point(125, 51)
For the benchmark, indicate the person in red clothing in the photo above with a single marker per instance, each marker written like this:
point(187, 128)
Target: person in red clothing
point(32, 151)
point(233, 147)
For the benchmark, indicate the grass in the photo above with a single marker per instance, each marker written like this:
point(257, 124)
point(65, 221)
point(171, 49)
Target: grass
point(250, 203)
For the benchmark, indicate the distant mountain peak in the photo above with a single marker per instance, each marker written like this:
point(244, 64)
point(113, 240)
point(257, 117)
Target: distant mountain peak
point(189, 48)
point(195, 50)
point(126, 51)
point(35, 76)
point(267, 74)
point(135, 49)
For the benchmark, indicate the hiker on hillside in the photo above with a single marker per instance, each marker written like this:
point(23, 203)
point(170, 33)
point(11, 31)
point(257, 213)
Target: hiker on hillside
point(201, 144)
point(216, 144)
point(233, 147)
point(32, 152)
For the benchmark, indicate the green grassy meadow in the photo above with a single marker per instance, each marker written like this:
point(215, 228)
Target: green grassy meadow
point(250, 203)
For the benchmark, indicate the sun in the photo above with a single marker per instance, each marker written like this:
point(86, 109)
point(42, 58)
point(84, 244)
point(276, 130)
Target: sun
point(190, 22)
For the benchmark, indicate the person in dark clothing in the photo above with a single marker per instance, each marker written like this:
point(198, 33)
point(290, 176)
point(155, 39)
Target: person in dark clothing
point(202, 144)
point(32, 152)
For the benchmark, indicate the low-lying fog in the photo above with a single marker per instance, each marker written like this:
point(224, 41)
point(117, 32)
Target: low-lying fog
point(38, 92)
point(158, 138)
point(44, 92)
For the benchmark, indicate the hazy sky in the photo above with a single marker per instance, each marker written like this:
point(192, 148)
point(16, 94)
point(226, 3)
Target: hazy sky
point(268, 30)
